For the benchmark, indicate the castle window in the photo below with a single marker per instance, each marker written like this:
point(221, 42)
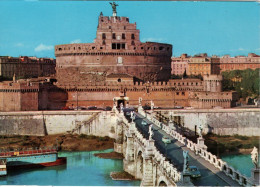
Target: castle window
point(79, 48)
point(133, 36)
point(123, 36)
point(132, 43)
point(127, 19)
point(119, 80)
point(161, 48)
point(60, 49)
point(104, 42)
point(182, 93)
point(123, 46)
point(93, 47)
point(124, 27)
point(118, 46)
point(154, 48)
point(109, 27)
point(103, 36)
point(113, 46)
point(142, 47)
point(177, 93)
point(114, 36)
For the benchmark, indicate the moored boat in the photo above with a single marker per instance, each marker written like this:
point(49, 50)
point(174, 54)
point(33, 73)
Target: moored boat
point(32, 158)
point(3, 170)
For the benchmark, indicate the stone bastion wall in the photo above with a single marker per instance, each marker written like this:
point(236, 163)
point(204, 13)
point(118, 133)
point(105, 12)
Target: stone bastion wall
point(244, 122)
point(40, 123)
point(101, 123)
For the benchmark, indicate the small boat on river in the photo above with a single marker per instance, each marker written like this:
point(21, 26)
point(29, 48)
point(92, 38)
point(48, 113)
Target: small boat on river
point(30, 159)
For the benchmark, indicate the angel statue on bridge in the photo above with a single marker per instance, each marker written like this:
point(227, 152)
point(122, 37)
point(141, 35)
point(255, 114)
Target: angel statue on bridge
point(150, 132)
point(186, 161)
point(140, 101)
point(132, 116)
point(200, 130)
point(254, 156)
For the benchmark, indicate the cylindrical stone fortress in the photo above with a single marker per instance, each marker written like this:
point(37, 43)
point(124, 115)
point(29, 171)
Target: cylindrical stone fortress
point(116, 49)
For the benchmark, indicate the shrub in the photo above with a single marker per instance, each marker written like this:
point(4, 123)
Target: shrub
point(241, 137)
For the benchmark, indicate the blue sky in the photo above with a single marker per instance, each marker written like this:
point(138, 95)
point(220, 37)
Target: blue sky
point(33, 28)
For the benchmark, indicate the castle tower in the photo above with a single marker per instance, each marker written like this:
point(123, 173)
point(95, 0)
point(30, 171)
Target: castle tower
point(212, 83)
point(116, 49)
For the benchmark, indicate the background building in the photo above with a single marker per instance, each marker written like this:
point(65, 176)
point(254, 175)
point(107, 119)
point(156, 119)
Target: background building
point(205, 65)
point(179, 64)
point(26, 67)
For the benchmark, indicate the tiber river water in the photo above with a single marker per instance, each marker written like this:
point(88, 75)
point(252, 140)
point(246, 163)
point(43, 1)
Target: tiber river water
point(84, 169)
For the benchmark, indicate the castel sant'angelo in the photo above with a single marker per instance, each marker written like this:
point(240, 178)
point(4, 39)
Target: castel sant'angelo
point(117, 66)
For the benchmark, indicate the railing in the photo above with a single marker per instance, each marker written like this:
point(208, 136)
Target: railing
point(165, 166)
point(218, 163)
point(8, 153)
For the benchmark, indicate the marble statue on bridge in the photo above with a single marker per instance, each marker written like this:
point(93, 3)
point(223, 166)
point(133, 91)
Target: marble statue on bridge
point(200, 130)
point(152, 105)
point(254, 156)
point(132, 116)
point(121, 107)
point(140, 101)
point(186, 161)
point(150, 132)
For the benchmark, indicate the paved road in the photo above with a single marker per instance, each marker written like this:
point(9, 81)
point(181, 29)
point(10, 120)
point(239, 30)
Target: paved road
point(174, 153)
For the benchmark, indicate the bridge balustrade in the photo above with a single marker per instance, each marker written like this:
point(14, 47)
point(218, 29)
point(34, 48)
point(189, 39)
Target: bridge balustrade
point(218, 163)
point(166, 167)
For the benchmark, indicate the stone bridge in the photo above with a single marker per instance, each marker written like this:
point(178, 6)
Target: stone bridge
point(142, 159)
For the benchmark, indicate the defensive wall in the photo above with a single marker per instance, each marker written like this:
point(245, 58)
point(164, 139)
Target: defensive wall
point(219, 121)
point(40, 123)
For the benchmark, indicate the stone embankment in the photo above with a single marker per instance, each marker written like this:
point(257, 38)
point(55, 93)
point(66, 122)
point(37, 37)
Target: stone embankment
point(66, 142)
point(111, 155)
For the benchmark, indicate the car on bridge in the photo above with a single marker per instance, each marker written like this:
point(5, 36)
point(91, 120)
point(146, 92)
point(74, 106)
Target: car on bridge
point(144, 123)
point(194, 171)
point(166, 140)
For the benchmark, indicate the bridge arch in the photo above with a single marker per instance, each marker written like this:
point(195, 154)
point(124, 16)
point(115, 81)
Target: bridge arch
point(162, 181)
point(139, 165)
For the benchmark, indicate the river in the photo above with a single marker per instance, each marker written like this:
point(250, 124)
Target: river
point(82, 169)
point(242, 163)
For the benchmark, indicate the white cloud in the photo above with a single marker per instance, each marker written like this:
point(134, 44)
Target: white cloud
point(75, 41)
point(152, 39)
point(19, 45)
point(43, 47)
point(241, 49)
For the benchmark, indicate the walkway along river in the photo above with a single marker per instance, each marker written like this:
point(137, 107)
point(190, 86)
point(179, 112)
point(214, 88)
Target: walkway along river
point(82, 169)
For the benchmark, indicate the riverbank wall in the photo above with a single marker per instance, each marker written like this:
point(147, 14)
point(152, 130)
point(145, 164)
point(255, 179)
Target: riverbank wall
point(102, 123)
point(40, 123)
point(245, 122)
